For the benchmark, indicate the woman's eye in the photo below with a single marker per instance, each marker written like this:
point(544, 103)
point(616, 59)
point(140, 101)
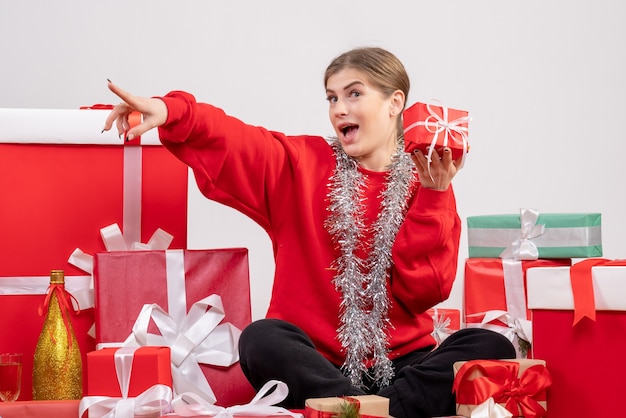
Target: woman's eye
point(332, 99)
point(355, 93)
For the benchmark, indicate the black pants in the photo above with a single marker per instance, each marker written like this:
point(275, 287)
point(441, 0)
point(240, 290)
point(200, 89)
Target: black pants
point(422, 387)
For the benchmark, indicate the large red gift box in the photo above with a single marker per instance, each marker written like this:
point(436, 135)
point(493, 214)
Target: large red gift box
point(493, 285)
point(61, 181)
point(586, 359)
point(150, 366)
point(126, 281)
point(431, 126)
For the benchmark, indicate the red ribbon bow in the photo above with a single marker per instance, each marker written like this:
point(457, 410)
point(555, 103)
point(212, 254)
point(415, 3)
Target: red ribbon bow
point(66, 305)
point(499, 380)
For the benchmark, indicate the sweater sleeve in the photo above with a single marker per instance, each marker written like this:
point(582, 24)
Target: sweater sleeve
point(236, 164)
point(425, 252)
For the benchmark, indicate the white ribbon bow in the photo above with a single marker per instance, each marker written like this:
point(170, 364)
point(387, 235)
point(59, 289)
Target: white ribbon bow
point(523, 248)
point(436, 124)
point(113, 241)
point(441, 326)
point(490, 409)
point(190, 404)
point(199, 338)
point(513, 326)
point(156, 399)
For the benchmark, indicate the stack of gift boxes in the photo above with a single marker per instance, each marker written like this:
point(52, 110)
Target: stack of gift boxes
point(538, 279)
point(113, 215)
point(158, 321)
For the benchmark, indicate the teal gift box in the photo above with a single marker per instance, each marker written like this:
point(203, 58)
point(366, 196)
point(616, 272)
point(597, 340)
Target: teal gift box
point(532, 235)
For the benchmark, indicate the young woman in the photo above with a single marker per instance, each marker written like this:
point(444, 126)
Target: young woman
point(365, 239)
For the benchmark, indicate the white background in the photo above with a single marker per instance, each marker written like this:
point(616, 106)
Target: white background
point(543, 80)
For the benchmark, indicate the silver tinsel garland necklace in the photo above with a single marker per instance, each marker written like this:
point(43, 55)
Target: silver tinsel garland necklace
point(363, 283)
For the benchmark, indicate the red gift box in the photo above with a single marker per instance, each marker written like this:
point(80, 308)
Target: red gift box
point(485, 285)
point(585, 359)
point(61, 184)
point(126, 281)
point(150, 366)
point(518, 385)
point(430, 126)
point(496, 288)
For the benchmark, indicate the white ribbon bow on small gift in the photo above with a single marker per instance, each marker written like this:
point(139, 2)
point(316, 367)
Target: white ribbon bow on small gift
point(490, 409)
point(522, 328)
point(523, 248)
point(199, 338)
point(156, 399)
point(262, 405)
point(441, 326)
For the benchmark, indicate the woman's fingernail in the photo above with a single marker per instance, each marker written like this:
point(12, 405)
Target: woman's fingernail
point(129, 137)
point(102, 131)
point(109, 80)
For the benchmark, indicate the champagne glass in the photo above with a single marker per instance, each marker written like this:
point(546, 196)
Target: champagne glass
point(10, 376)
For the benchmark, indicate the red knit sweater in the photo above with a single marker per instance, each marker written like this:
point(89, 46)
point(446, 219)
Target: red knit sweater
point(281, 182)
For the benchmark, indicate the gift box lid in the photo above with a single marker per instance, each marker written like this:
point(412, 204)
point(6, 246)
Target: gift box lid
point(62, 126)
point(551, 288)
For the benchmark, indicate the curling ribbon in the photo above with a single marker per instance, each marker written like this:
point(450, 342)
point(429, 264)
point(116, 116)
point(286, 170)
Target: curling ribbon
point(499, 380)
point(262, 405)
point(523, 248)
point(582, 286)
point(155, 400)
point(436, 124)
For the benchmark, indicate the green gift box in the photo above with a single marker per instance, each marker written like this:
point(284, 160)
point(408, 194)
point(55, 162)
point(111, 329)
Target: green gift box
point(532, 235)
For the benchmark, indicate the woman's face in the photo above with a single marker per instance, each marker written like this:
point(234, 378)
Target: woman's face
point(363, 118)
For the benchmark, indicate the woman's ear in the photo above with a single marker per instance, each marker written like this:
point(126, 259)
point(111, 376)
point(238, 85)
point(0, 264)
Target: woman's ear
point(396, 103)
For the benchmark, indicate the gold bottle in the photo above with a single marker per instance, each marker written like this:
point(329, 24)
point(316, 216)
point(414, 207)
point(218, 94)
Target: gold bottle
point(57, 365)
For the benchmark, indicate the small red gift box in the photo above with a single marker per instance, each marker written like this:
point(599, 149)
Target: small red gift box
point(66, 181)
point(445, 322)
point(150, 366)
point(430, 126)
point(519, 385)
point(586, 358)
point(126, 281)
